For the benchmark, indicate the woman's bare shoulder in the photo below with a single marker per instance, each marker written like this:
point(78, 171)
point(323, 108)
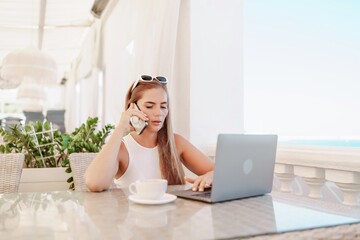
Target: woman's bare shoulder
point(182, 144)
point(180, 140)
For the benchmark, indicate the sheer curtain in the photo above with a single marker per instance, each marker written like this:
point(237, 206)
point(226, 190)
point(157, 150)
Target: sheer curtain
point(81, 101)
point(89, 96)
point(71, 103)
point(193, 43)
point(138, 38)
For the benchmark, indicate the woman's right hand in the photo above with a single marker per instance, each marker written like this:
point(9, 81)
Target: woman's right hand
point(126, 115)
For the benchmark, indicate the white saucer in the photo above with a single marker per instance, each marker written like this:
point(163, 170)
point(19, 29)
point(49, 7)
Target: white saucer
point(165, 199)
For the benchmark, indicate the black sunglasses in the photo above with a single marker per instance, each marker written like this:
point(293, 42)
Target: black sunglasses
point(147, 78)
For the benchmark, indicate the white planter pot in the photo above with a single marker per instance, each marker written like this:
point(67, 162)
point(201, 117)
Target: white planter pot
point(44, 179)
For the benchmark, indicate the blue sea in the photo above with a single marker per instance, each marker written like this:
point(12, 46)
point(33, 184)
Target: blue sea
point(329, 143)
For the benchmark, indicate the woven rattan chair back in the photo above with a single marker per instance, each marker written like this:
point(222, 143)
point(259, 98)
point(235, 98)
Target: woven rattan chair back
point(79, 162)
point(11, 165)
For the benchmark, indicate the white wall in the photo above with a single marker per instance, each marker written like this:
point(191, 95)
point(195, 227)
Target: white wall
point(180, 88)
point(55, 96)
point(216, 76)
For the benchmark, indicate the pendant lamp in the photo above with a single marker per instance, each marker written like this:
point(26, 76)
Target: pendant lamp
point(31, 95)
point(9, 83)
point(29, 63)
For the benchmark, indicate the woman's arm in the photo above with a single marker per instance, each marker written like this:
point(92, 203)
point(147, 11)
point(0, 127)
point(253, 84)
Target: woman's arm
point(196, 162)
point(102, 170)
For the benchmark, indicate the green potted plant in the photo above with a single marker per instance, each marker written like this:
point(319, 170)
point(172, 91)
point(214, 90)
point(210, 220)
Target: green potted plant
point(45, 148)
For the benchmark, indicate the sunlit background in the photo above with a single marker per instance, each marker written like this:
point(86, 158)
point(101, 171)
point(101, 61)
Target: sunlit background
point(302, 68)
point(286, 67)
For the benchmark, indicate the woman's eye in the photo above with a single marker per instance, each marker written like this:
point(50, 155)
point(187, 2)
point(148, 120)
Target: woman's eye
point(148, 107)
point(164, 107)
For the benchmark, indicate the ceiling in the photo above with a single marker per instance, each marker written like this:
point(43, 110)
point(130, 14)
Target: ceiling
point(56, 27)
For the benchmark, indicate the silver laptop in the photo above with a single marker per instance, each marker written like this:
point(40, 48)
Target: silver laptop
point(244, 167)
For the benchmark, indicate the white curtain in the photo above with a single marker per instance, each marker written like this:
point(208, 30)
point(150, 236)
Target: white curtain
point(81, 86)
point(138, 38)
point(71, 103)
point(89, 96)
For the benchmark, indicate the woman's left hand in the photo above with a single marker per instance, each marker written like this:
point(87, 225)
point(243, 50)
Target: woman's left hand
point(201, 182)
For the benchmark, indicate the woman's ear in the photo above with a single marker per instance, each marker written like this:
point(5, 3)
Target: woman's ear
point(133, 105)
point(128, 105)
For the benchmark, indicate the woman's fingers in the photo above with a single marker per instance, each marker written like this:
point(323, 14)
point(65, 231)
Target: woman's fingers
point(205, 183)
point(208, 184)
point(198, 183)
point(202, 185)
point(189, 180)
point(202, 182)
point(134, 111)
point(195, 182)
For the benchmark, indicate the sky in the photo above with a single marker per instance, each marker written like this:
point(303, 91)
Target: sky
point(302, 68)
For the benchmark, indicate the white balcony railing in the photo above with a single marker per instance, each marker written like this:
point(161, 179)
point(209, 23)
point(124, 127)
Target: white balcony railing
point(321, 168)
point(331, 173)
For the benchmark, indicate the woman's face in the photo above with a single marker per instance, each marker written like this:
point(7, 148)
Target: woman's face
point(154, 104)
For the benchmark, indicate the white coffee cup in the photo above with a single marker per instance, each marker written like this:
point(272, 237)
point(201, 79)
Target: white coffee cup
point(149, 189)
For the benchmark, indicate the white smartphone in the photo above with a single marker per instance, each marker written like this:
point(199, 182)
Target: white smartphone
point(138, 123)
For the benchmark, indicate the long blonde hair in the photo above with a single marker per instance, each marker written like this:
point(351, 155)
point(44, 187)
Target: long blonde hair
point(170, 161)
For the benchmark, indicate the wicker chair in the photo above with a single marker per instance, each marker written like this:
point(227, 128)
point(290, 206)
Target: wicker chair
point(11, 165)
point(57, 117)
point(79, 162)
point(33, 116)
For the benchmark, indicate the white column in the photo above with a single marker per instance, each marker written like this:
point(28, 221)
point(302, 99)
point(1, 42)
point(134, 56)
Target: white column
point(285, 174)
point(180, 84)
point(348, 182)
point(314, 177)
point(216, 71)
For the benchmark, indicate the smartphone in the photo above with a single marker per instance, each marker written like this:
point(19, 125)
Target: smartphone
point(138, 123)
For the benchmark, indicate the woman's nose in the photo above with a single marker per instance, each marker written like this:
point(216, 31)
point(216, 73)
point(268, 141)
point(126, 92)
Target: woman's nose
point(158, 111)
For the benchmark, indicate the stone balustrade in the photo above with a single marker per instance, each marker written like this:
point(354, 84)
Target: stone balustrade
point(314, 169)
point(318, 165)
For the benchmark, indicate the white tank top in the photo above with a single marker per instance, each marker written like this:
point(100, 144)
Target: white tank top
point(143, 162)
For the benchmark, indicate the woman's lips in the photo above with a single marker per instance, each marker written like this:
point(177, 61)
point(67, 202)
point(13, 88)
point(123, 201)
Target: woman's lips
point(156, 123)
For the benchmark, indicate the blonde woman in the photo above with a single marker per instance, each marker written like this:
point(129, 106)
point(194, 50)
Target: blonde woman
point(154, 153)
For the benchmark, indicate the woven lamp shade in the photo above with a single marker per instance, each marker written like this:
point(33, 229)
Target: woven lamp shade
point(29, 63)
point(9, 83)
point(33, 91)
point(31, 96)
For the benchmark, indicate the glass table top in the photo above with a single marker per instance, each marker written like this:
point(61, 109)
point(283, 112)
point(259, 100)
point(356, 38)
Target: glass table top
point(110, 215)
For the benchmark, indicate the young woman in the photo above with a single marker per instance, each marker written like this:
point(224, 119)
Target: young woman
point(156, 153)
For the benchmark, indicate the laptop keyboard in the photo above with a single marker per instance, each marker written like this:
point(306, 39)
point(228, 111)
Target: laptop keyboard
point(202, 194)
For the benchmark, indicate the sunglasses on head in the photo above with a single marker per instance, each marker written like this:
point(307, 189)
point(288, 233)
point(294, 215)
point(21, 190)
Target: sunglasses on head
point(147, 78)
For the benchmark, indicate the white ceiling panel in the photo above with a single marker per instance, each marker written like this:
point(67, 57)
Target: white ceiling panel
point(19, 12)
point(63, 56)
point(70, 37)
point(59, 13)
point(12, 39)
point(66, 24)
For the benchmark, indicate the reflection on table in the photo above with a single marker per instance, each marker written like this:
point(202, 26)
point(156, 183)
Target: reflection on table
point(109, 215)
